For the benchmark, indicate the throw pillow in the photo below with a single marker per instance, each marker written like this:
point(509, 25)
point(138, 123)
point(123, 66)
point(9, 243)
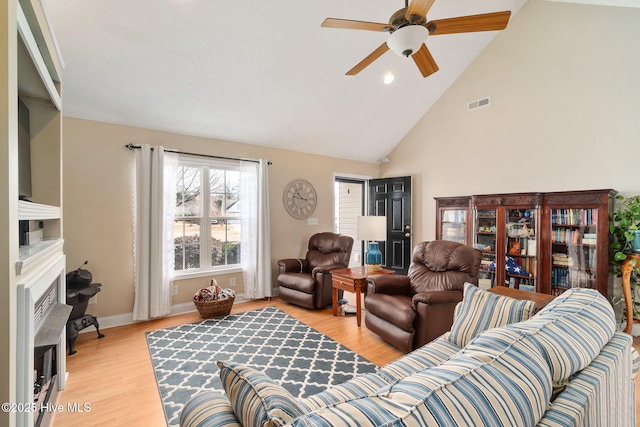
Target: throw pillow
point(256, 399)
point(481, 310)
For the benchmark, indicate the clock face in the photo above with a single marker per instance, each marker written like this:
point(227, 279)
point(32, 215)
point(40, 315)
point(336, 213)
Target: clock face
point(299, 198)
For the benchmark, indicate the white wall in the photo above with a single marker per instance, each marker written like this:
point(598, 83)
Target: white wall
point(564, 114)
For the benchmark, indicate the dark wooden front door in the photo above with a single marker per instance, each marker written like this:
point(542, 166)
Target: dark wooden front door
point(392, 197)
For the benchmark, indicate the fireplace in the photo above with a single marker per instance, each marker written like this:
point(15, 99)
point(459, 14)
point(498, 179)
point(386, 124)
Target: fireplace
point(40, 358)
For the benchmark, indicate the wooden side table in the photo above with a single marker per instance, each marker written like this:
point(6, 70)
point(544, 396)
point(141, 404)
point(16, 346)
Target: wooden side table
point(627, 268)
point(352, 280)
point(540, 300)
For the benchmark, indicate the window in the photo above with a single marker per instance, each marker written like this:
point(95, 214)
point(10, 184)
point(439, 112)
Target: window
point(207, 218)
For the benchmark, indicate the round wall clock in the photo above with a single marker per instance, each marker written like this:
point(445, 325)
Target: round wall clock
point(299, 198)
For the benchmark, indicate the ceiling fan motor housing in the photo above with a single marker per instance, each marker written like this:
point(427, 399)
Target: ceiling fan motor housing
point(407, 40)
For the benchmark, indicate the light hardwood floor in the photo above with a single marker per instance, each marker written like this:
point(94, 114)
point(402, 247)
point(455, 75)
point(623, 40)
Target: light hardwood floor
point(114, 374)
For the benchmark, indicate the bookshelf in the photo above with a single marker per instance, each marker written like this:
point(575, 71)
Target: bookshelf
point(578, 229)
point(542, 242)
point(506, 229)
point(485, 241)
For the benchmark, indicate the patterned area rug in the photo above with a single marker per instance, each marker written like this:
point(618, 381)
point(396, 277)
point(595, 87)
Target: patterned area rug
point(299, 358)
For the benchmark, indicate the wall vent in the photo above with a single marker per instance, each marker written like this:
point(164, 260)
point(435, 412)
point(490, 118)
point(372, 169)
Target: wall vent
point(484, 102)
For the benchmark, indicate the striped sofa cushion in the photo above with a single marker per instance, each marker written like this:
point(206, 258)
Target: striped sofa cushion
point(499, 379)
point(255, 398)
point(571, 331)
point(361, 386)
point(430, 354)
point(481, 310)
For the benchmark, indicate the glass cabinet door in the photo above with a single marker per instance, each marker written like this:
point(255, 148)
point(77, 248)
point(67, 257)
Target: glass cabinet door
point(485, 240)
point(453, 223)
point(520, 248)
point(573, 249)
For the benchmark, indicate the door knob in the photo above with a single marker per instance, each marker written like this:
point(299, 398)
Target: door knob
point(407, 234)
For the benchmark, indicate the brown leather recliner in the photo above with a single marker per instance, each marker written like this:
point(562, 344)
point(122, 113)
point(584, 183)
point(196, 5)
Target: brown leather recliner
point(307, 282)
point(410, 311)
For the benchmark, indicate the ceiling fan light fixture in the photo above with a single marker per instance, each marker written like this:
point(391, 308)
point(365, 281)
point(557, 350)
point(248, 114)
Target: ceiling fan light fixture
point(407, 40)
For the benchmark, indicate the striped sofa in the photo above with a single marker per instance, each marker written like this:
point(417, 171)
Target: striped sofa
point(564, 366)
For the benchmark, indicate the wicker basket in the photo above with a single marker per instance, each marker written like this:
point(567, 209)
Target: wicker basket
point(217, 308)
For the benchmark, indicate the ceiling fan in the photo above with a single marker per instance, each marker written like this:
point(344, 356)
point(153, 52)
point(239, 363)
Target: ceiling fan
point(409, 29)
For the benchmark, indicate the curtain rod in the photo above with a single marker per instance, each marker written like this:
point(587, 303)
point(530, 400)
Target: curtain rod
point(211, 156)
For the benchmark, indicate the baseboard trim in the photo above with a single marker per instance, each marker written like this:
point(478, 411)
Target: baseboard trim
point(127, 318)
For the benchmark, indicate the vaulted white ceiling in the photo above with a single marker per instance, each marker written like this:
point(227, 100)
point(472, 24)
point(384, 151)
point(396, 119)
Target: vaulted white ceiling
point(258, 72)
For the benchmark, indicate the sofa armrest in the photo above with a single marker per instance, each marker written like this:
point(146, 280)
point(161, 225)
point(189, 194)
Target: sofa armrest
point(208, 409)
point(389, 284)
point(293, 265)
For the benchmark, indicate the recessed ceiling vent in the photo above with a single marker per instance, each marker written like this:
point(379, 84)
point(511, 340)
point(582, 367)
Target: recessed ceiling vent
point(474, 105)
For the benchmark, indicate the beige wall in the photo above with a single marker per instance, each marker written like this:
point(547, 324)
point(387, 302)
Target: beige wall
point(564, 113)
point(563, 116)
point(98, 176)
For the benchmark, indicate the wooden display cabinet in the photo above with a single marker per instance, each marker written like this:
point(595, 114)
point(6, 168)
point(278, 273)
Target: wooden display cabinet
point(542, 242)
point(506, 229)
point(453, 219)
point(577, 246)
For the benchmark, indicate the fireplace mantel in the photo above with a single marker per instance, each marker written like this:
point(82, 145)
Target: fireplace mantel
point(50, 271)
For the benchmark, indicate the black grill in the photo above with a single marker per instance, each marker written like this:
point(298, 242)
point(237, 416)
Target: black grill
point(79, 292)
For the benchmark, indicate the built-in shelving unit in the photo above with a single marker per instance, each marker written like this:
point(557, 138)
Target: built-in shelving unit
point(31, 53)
point(37, 211)
point(30, 255)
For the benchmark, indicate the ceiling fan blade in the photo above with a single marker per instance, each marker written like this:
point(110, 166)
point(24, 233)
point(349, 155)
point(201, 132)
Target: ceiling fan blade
point(425, 62)
point(368, 60)
point(469, 24)
point(418, 8)
point(354, 25)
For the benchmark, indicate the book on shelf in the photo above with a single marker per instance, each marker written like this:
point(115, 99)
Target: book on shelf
point(484, 283)
point(531, 247)
point(572, 278)
point(573, 216)
point(562, 259)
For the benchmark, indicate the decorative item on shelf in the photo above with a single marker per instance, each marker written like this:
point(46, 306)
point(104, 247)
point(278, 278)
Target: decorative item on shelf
point(511, 266)
point(213, 301)
point(372, 229)
point(515, 248)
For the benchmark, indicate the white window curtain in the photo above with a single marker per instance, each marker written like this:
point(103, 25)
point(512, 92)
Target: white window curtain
point(256, 238)
point(154, 211)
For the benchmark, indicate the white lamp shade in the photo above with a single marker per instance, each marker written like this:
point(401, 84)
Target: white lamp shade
point(407, 40)
point(372, 228)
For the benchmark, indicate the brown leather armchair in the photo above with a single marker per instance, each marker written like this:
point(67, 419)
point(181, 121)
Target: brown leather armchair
point(307, 282)
point(410, 311)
